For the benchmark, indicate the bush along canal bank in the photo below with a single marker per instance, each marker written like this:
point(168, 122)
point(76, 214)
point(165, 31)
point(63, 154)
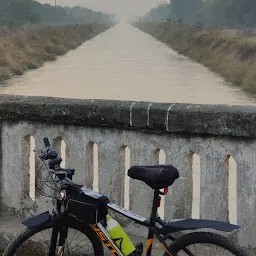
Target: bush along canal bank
point(29, 49)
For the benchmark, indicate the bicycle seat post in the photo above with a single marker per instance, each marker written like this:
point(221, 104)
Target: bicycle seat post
point(152, 222)
point(154, 206)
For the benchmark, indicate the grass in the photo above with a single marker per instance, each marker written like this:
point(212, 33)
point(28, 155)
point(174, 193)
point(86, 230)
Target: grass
point(232, 56)
point(24, 50)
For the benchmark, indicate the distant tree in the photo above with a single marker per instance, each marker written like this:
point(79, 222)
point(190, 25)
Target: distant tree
point(230, 13)
point(29, 11)
point(186, 10)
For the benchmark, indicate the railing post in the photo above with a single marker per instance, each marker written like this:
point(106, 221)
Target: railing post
point(246, 193)
point(141, 195)
point(214, 186)
point(79, 155)
point(178, 202)
point(111, 177)
point(15, 168)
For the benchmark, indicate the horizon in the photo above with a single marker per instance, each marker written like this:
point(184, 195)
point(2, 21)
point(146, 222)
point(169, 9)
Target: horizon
point(123, 9)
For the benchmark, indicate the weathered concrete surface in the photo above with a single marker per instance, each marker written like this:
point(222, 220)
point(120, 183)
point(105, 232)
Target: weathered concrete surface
point(144, 147)
point(222, 120)
point(144, 128)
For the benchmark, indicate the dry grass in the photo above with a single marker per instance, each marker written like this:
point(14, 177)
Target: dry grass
point(24, 50)
point(233, 57)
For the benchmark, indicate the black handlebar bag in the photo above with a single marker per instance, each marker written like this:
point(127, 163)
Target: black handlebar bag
point(87, 205)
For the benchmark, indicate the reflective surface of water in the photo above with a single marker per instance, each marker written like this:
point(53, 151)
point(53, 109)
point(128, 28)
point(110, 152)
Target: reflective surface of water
point(126, 64)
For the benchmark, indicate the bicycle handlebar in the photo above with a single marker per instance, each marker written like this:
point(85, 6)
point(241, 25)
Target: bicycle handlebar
point(49, 153)
point(47, 143)
point(54, 160)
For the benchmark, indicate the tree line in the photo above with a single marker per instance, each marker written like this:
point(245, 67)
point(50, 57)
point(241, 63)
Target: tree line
point(229, 13)
point(19, 12)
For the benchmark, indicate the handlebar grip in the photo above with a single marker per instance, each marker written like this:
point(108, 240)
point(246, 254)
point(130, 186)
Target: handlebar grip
point(47, 143)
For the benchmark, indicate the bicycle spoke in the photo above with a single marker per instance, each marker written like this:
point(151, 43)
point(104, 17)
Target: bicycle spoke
point(204, 249)
point(45, 241)
point(78, 243)
point(38, 244)
point(196, 251)
point(67, 243)
point(73, 237)
point(79, 248)
point(216, 249)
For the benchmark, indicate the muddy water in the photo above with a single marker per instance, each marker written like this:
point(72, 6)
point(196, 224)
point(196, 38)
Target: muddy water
point(127, 64)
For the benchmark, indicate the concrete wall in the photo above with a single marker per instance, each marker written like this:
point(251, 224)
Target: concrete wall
point(215, 133)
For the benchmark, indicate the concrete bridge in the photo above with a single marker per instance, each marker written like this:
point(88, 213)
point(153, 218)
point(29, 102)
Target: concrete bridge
point(102, 138)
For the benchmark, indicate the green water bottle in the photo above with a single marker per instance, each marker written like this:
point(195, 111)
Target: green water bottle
point(119, 237)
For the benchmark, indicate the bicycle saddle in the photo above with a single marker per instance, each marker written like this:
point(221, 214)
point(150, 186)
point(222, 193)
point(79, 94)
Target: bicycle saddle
point(155, 176)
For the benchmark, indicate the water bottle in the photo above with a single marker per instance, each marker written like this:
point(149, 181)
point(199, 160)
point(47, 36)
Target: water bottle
point(119, 237)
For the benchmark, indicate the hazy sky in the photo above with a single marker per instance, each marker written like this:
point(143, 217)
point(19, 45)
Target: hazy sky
point(123, 8)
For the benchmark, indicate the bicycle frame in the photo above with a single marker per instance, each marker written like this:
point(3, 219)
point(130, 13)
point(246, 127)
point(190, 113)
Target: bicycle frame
point(105, 237)
point(150, 224)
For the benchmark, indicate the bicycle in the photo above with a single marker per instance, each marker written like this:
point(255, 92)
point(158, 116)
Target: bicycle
point(80, 209)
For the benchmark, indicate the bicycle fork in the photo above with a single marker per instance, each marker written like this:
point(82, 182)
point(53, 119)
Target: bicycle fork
point(58, 238)
point(62, 239)
point(55, 250)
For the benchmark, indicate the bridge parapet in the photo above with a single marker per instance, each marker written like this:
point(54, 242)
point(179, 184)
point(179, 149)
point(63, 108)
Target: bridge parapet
point(103, 137)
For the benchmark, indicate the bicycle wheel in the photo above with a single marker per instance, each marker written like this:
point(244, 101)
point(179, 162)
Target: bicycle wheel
point(81, 241)
point(204, 244)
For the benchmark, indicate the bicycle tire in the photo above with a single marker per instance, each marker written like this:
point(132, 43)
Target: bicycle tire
point(206, 238)
point(24, 235)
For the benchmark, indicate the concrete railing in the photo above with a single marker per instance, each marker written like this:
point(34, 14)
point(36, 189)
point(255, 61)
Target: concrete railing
point(102, 138)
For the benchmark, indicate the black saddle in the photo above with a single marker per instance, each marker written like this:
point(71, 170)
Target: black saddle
point(155, 176)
